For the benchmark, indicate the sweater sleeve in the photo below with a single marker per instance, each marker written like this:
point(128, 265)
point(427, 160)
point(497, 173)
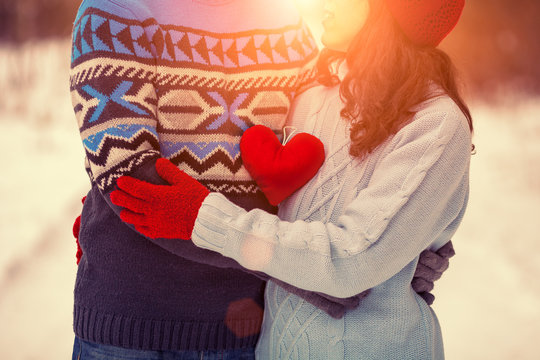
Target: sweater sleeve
point(416, 193)
point(113, 95)
point(113, 69)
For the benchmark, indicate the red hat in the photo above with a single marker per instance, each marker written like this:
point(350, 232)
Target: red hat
point(426, 22)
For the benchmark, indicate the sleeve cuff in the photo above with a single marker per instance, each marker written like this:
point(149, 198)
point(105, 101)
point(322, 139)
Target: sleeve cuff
point(211, 227)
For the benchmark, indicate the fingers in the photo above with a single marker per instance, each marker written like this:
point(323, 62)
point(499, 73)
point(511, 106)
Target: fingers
point(420, 285)
point(363, 294)
point(131, 217)
point(334, 310)
point(427, 273)
point(135, 187)
point(146, 231)
point(125, 200)
point(429, 269)
point(169, 172)
point(349, 303)
point(433, 261)
point(428, 297)
point(447, 251)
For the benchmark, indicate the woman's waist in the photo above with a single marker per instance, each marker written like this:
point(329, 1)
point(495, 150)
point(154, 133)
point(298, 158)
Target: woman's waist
point(380, 314)
point(394, 296)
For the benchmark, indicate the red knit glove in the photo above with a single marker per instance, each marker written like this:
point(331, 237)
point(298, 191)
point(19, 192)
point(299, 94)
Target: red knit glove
point(161, 211)
point(76, 230)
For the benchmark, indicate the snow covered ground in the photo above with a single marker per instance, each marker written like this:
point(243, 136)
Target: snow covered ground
point(488, 302)
point(42, 181)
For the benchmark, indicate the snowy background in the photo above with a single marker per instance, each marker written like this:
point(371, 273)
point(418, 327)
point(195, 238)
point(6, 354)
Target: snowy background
point(488, 302)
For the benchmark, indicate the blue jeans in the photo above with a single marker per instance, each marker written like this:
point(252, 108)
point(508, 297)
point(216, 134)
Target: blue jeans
point(84, 350)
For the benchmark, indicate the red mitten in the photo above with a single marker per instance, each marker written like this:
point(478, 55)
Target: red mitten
point(76, 230)
point(280, 170)
point(161, 211)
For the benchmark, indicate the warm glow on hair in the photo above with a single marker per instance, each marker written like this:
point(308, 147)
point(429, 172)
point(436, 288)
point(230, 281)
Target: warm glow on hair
point(388, 76)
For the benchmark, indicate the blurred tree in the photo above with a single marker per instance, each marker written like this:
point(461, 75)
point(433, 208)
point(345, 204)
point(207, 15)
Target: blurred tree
point(23, 20)
point(496, 45)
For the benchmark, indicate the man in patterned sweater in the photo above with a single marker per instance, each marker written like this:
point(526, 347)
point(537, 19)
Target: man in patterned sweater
point(182, 80)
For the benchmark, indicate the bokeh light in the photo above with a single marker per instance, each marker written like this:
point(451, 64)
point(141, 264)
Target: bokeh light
point(240, 310)
point(256, 252)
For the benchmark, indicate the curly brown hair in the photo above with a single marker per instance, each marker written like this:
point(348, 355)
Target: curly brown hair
point(388, 76)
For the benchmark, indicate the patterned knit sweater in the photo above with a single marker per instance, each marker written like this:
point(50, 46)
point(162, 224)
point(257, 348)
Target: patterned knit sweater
point(357, 225)
point(183, 80)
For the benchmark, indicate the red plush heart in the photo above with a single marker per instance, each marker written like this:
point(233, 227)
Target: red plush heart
point(278, 169)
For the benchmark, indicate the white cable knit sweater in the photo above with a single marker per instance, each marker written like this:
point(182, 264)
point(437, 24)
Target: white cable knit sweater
point(358, 224)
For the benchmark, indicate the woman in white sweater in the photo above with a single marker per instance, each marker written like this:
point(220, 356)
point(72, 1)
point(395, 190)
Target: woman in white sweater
point(395, 181)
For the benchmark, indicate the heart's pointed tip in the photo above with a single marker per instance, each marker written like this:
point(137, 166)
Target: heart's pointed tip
point(274, 202)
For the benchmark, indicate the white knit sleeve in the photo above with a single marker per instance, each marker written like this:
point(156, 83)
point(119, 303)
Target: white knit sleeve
point(415, 194)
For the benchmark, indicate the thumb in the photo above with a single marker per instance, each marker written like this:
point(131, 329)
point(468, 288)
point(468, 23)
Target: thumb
point(169, 172)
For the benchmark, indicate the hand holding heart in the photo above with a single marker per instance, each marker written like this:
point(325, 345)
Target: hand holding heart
point(278, 169)
point(169, 211)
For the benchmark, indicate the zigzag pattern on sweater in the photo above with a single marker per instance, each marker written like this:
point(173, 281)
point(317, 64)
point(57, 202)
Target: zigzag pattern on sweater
point(185, 77)
point(126, 69)
point(187, 129)
point(232, 187)
point(107, 33)
point(202, 165)
point(184, 114)
point(192, 105)
point(136, 72)
point(106, 180)
point(99, 151)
